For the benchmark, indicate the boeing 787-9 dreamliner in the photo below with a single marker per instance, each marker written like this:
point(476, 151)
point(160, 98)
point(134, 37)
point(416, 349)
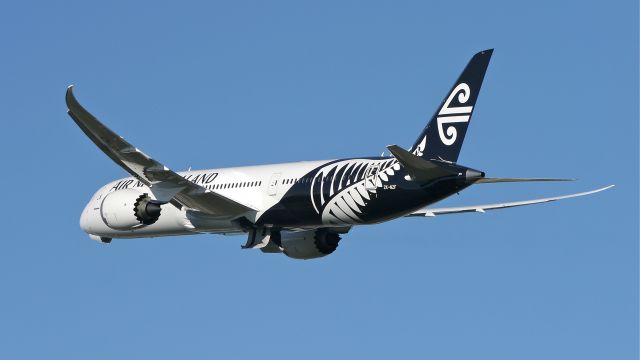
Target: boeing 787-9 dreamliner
point(300, 209)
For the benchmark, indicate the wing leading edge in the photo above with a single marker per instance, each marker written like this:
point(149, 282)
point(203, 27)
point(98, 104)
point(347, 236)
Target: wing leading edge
point(165, 184)
point(483, 208)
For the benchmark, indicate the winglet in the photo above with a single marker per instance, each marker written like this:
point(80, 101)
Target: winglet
point(69, 98)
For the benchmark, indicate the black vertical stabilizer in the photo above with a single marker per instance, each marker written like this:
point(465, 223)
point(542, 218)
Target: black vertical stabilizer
point(442, 138)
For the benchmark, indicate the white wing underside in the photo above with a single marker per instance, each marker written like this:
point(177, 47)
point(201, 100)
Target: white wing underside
point(483, 208)
point(165, 184)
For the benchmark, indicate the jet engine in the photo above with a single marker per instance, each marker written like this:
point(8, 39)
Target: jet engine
point(129, 209)
point(308, 244)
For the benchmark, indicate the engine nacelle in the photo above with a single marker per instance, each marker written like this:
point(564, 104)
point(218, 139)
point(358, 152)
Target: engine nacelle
point(129, 209)
point(308, 244)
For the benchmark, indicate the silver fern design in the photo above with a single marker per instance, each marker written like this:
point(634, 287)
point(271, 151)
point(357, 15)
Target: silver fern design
point(342, 190)
point(419, 150)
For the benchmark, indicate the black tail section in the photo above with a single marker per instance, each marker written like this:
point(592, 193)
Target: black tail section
point(442, 138)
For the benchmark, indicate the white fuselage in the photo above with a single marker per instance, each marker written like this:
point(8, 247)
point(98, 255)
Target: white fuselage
point(258, 187)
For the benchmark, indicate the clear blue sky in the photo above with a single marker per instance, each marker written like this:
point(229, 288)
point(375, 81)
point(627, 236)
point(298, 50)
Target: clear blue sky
point(217, 84)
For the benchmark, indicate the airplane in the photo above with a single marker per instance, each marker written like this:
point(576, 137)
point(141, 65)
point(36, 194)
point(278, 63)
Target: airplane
point(299, 209)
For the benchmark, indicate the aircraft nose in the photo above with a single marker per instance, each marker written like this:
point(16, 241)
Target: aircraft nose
point(85, 220)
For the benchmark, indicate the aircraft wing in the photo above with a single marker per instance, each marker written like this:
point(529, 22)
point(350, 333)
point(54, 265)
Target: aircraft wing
point(483, 208)
point(166, 185)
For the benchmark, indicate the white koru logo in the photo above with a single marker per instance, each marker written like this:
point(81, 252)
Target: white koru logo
point(449, 115)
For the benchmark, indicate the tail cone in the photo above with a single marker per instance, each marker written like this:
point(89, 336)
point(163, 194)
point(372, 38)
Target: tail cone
point(472, 176)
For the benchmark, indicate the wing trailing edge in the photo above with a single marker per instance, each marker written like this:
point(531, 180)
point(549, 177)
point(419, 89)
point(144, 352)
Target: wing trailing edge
point(483, 208)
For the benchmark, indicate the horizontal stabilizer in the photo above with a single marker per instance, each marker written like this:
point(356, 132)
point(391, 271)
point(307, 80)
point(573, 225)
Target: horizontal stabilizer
point(503, 180)
point(421, 169)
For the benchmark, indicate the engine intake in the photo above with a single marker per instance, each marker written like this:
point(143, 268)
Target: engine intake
point(146, 210)
point(129, 209)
